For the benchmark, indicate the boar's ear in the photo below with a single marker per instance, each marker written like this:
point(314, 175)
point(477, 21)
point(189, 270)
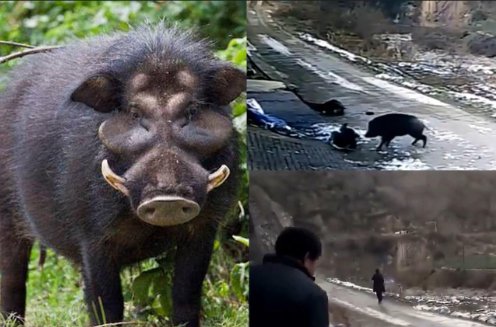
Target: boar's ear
point(227, 84)
point(100, 92)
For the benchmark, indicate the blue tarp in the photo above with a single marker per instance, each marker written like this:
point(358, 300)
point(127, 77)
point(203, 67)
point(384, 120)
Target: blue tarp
point(258, 117)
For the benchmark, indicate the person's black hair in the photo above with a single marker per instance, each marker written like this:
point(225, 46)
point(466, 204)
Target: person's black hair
point(296, 242)
point(377, 270)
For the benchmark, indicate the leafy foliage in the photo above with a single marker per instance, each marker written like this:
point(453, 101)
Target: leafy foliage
point(240, 273)
point(55, 22)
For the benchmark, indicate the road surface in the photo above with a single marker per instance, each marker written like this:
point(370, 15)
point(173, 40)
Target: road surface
point(367, 312)
point(456, 139)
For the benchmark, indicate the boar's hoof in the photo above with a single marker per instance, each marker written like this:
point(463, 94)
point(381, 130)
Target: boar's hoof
point(168, 210)
point(218, 177)
point(113, 179)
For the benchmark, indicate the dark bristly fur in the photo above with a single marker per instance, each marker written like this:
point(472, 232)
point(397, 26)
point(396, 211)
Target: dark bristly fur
point(331, 107)
point(389, 126)
point(51, 187)
point(345, 139)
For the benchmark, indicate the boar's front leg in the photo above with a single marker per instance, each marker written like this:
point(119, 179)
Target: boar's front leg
point(14, 259)
point(191, 265)
point(103, 292)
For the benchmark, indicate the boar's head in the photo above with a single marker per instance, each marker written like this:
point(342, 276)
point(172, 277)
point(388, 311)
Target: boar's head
point(373, 129)
point(167, 104)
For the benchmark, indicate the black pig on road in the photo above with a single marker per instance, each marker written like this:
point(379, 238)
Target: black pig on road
point(389, 126)
point(114, 150)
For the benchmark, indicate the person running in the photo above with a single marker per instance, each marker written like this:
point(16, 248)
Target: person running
point(282, 289)
point(378, 287)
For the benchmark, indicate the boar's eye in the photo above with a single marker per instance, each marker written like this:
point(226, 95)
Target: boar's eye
point(192, 111)
point(137, 116)
point(133, 110)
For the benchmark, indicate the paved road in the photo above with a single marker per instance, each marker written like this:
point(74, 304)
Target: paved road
point(456, 139)
point(270, 151)
point(389, 313)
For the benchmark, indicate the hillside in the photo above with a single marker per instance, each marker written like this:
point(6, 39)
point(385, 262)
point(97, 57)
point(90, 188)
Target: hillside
point(402, 221)
point(463, 27)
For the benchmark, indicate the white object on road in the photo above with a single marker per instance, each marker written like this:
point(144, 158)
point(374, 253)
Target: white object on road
point(250, 48)
point(253, 104)
point(404, 92)
point(330, 76)
point(333, 48)
point(274, 44)
point(344, 82)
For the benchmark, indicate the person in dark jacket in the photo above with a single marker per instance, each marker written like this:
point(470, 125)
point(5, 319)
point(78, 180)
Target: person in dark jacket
point(378, 287)
point(282, 289)
point(344, 139)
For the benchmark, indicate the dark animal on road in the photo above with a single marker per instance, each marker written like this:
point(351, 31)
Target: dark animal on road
point(389, 126)
point(331, 107)
point(114, 150)
point(344, 139)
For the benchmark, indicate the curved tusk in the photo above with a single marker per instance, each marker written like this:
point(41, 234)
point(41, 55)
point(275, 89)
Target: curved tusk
point(100, 130)
point(113, 179)
point(218, 177)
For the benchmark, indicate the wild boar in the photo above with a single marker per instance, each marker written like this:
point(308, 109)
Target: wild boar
point(389, 126)
point(113, 150)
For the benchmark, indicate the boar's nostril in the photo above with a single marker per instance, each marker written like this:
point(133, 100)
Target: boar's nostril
point(149, 211)
point(168, 210)
point(188, 210)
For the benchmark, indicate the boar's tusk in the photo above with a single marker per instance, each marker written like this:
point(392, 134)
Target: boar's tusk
point(113, 179)
point(100, 132)
point(218, 177)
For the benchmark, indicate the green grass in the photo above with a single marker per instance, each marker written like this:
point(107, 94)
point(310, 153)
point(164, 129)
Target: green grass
point(55, 295)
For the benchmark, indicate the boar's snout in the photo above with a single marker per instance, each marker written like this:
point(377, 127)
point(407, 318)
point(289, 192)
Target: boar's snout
point(168, 210)
point(166, 197)
point(371, 132)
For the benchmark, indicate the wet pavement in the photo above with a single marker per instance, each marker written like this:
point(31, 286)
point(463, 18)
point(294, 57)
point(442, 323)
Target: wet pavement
point(270, 151)
point(457, 138)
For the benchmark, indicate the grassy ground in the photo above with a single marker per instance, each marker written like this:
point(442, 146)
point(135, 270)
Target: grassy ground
point(55, 295)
